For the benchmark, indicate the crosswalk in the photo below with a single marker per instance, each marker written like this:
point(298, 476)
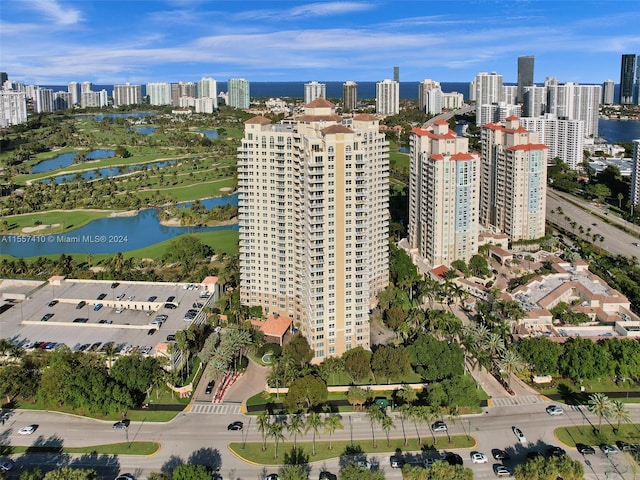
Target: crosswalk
point(517, 400)
point(215, 409)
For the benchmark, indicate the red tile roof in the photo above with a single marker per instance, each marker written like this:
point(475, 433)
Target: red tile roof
point(260, 120)
point(273, 326)
point(336, 129)
point(319, 103)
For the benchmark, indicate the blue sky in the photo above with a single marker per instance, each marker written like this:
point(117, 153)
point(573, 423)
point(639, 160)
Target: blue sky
point(52, 42)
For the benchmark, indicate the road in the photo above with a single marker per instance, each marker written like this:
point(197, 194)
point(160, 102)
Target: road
point(204, 436)
point(616, 241)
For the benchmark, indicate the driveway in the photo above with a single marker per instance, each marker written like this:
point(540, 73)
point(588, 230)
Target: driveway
point(251, 382)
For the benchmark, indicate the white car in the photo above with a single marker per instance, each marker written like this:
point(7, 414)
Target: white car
point(439, 426)
point(125, 476)
point(554, 410)
point(477, 457)
point(519, 435)
point(120, 309)
point(28, 430)
point(501, 471)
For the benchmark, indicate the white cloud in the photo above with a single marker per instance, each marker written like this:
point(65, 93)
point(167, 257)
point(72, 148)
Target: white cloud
point(61, 14)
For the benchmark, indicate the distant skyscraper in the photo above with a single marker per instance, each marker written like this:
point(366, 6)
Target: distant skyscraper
point(74, 89)
point(350, 95)
point(313, 90)
point(513, 185)
point(575, 102)
point(634, 194)
point(43, 100)
point(86, 87)
point(627, 71)
point(159, 93)
point(208, 88)
point(525, 75)
point(534, 101)
point(396, 74)
point(3, 78)
point(608, 90)
point(430, 97)
point(485, 89)
point(443, 195)
point(388, 97)
point(238, 93)
point(127, 95)
point(62, 100)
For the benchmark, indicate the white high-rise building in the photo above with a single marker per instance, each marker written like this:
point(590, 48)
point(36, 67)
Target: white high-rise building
point(86, 87)
point(486, 89)
point(350, 95)
point(534, 101)
point(608, 92)
point(63, 100)
point(388, 97)
point(238, 93)
point(443, 195)
point(513, 180)
point(634, 191)
point(127, 95)
point(313, 90)
point(430, 97)
point(13, 108)
point(75, 90)
point(94, 99)
point(452, 100)
point(510, 94)
point(43, 100)
point(205, 105)
point(207, 88)
point(159, 93)
point(565, 138)
point(575, 102)
point(313, 216)
point(496, 112)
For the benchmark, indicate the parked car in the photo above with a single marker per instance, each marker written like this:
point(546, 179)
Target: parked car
point(607, 449)
point(501, 470)
point(585, 449)
point(553, 451)
point(235, 426)
point(324, 475)
point(122, 424)
point(453, 458)
point(554, 410)
point(170, 306)
point(477, 457)
point(209, 388)
point(171, 338)
point(120, 309)
point(97, 307)
point(152, 331)
point(120, 296)
point(396, 461)
point(115, 284)
point(80, 304)
point(152, 298)
point(624, 446)
point(53, 303)
point(102, 296)
point(170, 299)
point(80, 320)
point(125, 476)
point(519, 435)
point(46, 317)
point(272, 476)
point(6, 465)
point(439, 426)
point(499, 454)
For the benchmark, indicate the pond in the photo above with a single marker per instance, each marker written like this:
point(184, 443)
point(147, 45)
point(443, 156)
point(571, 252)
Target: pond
point(209, 133)
point(106, 235)
point(66, 159)
point(102, 116)
point(145, 130)
point(210, 203)
point(108, 172)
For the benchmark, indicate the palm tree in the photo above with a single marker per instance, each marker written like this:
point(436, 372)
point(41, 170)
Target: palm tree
point(620, 412)
point(314, 422)
point(413, 412)
point(386, 423)
point(109, 351)
point(600, 405)
point(275, 431)
point(331, 424)
point(511, 363)
point(429, 414)
point(375, 416)
point(263, 427)
point(296, 427)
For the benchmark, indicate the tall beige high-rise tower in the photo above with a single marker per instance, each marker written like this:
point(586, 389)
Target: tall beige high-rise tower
point(513, 189)
point(314, 220)
point(443, 195)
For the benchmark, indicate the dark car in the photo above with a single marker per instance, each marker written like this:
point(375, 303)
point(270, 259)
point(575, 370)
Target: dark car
point(453, 458)
point(170, 306)
point(555, 451)
point(624, 446)
point(171, 338)
point(151, 331)
point(499, 454)
point(46, 317)
point(80, 320)
point(152, 298)
point(102, 296)
point(53, 303)
point(327, 476)
point(209, 388)
point(235, 426)
point(585, 449)
point(122, 424)
point(396, 461)
point(171, 298)
point(81, 304)
point(115, 284)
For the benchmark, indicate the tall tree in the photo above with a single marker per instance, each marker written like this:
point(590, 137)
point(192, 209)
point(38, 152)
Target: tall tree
point(313, 423)
point(600, 405)
point(263, 427)
point(331, 424)
point(275, 430)
point(295, 426)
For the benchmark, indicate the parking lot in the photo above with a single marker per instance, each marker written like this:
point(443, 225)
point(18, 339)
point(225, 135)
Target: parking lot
point(86, 315)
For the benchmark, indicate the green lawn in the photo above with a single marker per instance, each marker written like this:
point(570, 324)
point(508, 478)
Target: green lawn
point(132, 448)
point(565, 388)
point(66, 219)
point(589, 435)
point(253, 451)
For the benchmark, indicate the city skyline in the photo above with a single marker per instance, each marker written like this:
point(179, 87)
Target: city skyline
point(52, 42)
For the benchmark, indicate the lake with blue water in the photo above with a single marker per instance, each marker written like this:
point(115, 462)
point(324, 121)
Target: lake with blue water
point(211, 134)
point(66, 159)
point(145, 130)
point(109, 172)
point(108, 235)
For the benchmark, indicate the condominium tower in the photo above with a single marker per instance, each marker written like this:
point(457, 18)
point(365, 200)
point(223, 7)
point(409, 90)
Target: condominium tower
point(159, 93)
point(525, 75)
point(430, 97)
point(388, 97)
point(350, 95)
point(13, 108)
point(313, 90)
point(608, 92)
point(627, 70)
point(238, 93)
point(634, 193)
point(313, 217)
point(127, 95)
point(74, 89)
point(513, 180)
point(443, 195)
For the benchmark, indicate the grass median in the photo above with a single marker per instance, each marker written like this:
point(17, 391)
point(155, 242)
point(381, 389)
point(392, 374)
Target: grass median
point(125, 448)
point(590, 435)
point(252, 451)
